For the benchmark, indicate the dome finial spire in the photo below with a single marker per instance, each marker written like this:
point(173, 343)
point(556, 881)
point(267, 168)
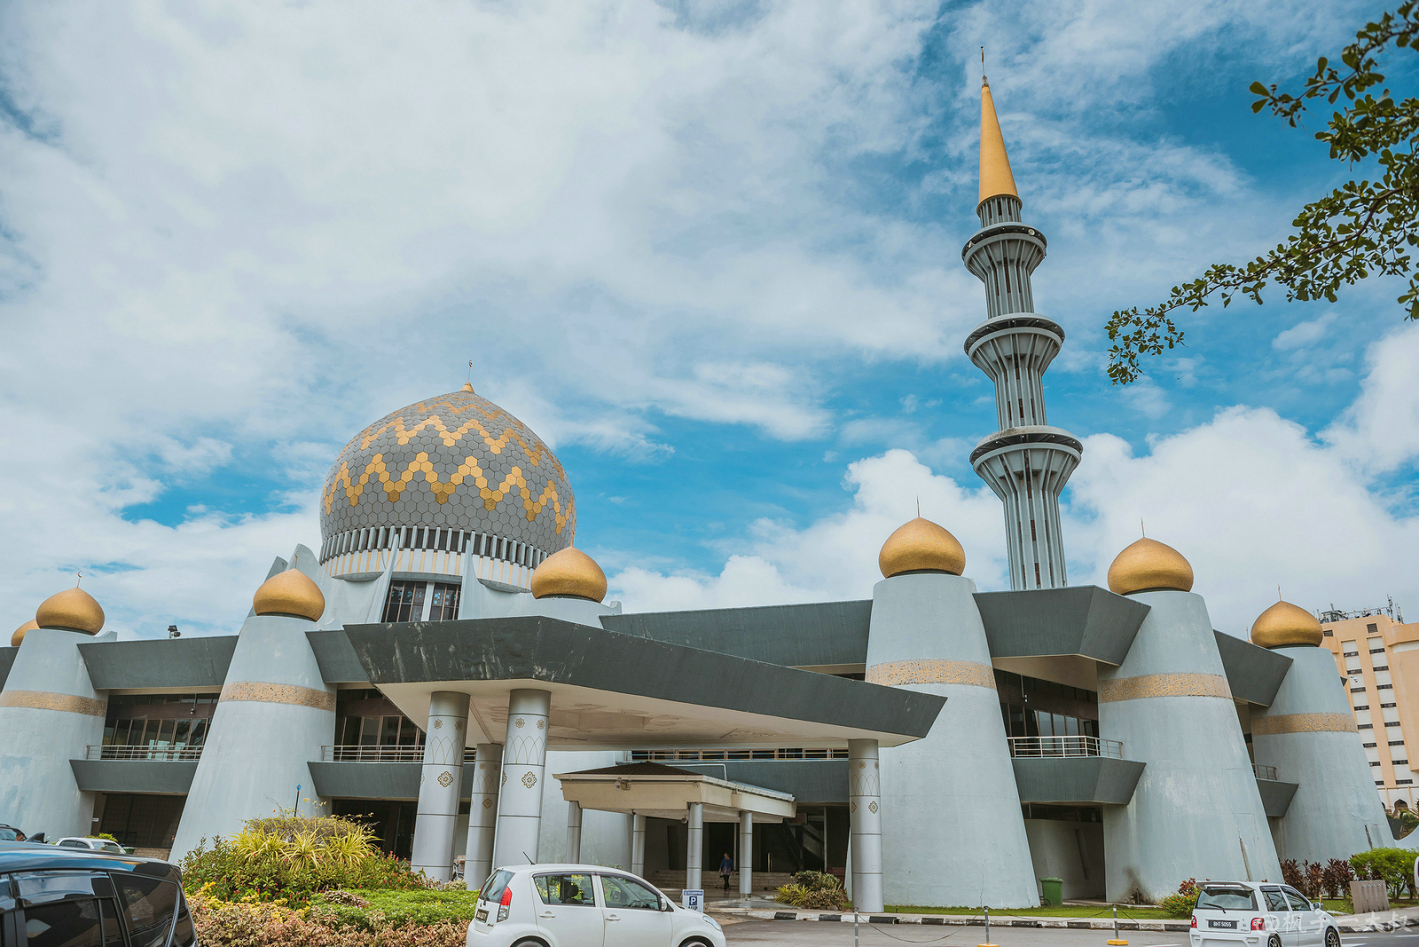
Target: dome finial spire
point(996, 179)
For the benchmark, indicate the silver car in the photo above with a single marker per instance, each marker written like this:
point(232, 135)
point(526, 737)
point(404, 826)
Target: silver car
point(1259, 914)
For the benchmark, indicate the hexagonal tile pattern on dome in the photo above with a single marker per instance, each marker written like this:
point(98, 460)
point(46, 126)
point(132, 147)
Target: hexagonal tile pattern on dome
point(458, 461)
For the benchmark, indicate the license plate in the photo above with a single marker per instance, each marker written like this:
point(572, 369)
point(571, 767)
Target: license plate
point(481, 915)
point(1222, 925)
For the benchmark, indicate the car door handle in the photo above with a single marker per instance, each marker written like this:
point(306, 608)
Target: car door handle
point(612, 917)
point(548, 914)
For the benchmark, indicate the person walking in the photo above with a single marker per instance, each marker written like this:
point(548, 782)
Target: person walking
point(726, 865)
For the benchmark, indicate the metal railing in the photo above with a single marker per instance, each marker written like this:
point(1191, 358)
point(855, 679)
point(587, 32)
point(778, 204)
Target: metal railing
point(720, 756)
point(165, 752)
point(1263, 772)
point(400, 753)
point(1065, 746)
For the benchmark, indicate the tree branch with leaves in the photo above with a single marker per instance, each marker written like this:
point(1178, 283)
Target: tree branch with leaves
point(1359, 229)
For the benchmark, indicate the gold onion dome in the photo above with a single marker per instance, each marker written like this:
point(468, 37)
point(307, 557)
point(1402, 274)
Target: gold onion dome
point(1286, 625)
point(19, 634)
point(1149, 565)
point(921, 546)
point(569, 572)
point(290, 593)
point(73, 610)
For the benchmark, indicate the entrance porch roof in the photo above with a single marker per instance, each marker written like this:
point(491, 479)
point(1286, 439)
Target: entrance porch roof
point(664, 792)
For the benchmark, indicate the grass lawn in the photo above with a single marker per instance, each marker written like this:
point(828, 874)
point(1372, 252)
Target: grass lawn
point(419, 906)
point(1125, 913)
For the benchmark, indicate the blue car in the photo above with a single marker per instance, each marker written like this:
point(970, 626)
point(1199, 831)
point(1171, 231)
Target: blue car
point(67, 897)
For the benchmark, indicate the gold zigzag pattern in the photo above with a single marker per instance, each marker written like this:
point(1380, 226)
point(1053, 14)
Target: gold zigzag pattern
point(394, 486)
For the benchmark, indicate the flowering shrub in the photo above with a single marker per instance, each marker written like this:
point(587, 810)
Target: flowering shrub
point(252, 923)
point(1182, 903)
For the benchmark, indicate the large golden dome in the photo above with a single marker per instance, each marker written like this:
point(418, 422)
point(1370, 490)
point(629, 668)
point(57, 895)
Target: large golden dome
point(290, 593)
point(921, 546)
point(569, 572)
point(1285, 625)
point(1148, 565)
point(19, 634)
point(73, 610)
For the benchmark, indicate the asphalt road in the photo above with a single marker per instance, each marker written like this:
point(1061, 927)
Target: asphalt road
point(883, 935)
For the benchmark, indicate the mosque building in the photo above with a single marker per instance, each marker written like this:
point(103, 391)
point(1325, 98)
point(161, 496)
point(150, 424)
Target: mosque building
point(445, 666)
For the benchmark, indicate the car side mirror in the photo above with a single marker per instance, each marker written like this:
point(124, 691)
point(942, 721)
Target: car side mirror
point(665, 904)
point(37, 838)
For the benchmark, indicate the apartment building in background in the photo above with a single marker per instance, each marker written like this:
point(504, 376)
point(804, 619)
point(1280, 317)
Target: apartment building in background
point(1378, 655)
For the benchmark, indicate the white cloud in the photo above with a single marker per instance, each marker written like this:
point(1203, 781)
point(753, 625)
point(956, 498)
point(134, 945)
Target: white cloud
point(1304, 333)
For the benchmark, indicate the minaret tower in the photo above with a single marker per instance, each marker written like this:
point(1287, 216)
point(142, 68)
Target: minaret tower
point(1026, 462)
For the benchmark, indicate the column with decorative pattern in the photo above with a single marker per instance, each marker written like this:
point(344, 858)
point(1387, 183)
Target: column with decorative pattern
point(864, 795)
point(483, 814)
point(440, 783)
point(523, 779)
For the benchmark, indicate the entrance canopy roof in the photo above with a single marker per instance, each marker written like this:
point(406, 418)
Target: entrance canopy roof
point(664, 792)
point(618, 691)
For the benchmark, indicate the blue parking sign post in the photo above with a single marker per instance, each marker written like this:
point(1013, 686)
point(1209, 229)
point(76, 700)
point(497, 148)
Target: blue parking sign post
point(692, 899)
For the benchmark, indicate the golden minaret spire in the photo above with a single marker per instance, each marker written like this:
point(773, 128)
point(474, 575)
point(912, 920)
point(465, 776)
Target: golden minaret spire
point(995, 176)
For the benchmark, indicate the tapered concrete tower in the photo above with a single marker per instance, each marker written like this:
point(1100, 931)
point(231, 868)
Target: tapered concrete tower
point(1026, 462)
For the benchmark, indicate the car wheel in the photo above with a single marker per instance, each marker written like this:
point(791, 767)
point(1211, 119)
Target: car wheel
point(696, 942)
point(529, 943)
point(1332, 938)
point(1273, 941)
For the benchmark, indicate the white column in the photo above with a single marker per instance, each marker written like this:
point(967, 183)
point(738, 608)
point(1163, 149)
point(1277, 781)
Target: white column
point(524, 775)
point(574, 832)
point(746, 854)
point(483, 815)
point(864, 791)
point(638, 844)
point(695, 847)
point(439, 783)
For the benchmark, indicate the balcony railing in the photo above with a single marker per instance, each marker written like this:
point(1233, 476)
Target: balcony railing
point(166, 752)
point(358, 753)
point(1065, 746)
point(1263, 772)
point(719, 756)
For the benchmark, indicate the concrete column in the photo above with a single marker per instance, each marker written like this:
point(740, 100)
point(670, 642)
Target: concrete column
point(746, 853)
point(695, 847)
point(439, 784)
point(574, 832)
point(49, 714)
point(927, 635)
point(524, 777)
point(1196, 811)
point(864, 792)
point(483, 815)
point(638, 844)
point(1309, 734)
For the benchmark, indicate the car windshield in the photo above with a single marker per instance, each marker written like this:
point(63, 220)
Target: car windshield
point(8, 834)
point(493, 889)
point(1226, 899)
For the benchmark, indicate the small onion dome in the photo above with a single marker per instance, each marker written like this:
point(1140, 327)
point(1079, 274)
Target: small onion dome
point(290, 593)
point(569, 572)
point(1286, 625)
point(19, 634)
point(73, 610)
point(1148, 565)
point(921, 546)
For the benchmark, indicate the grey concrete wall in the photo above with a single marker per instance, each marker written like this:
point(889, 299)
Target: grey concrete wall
point(810, 782)
point(49, 712)
point(336, 658)
point(1335, 802)
point(165, 777)
point(1084, 620)
point(1254, 673)
point(1276, 797)
point(605, 836)
point(822, 634)
point(1070, 851)
point(952, 832)
point(198, 663)
point(7, 660)
point(1091, 780)
point(258, 750)
point(1196, 811)
point(345, 780)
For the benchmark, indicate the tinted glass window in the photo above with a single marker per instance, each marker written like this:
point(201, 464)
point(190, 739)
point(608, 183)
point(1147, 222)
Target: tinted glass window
point(72, 843)
point(1227, 899)
point(8, 834)
point(112, 936)
point(39, 887)
point(1275, 900)
point(183, 934)
point(626, 893)
point(494, 887)
point(148, 905)
point(1298, 900)
point(566, 889)
point(63, 924)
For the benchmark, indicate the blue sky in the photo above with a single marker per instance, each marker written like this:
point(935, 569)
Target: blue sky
point(709, 251)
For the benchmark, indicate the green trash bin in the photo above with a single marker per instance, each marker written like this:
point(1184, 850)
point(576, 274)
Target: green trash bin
point(1052, 892)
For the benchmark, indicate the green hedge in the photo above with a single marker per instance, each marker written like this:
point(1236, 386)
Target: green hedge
point(383, 906)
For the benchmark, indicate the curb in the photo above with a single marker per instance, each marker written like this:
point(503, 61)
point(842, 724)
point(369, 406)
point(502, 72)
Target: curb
point(960, 920)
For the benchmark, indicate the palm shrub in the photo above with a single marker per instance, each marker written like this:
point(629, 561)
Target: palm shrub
point(1338, 875)
point(815, 890)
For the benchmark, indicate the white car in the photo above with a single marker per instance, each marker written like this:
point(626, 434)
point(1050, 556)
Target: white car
point(92, 844)
point(583, 906)
point(1259, 914)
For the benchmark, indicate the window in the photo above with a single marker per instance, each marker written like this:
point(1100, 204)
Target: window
point(149, 905)
point(405, 602)
point(1357, 690)
point(1381, 667)
point(1384, 687)
point(1226, 899)
point(566, 889)
point(1391, 723)
point(1389, 705)
point(1370, 744)
point(1298, 900)
point(494, 887)
point(1362, 706)
point(1275, 900)
point(628, 893)
point(1375, 763)
point(65, 924)
point(1396, 743)
point(1328, 633)
point(1372, 628)
point(1401, 762)
point(1366, 726)
point(1404, 782)
point(445, 604)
